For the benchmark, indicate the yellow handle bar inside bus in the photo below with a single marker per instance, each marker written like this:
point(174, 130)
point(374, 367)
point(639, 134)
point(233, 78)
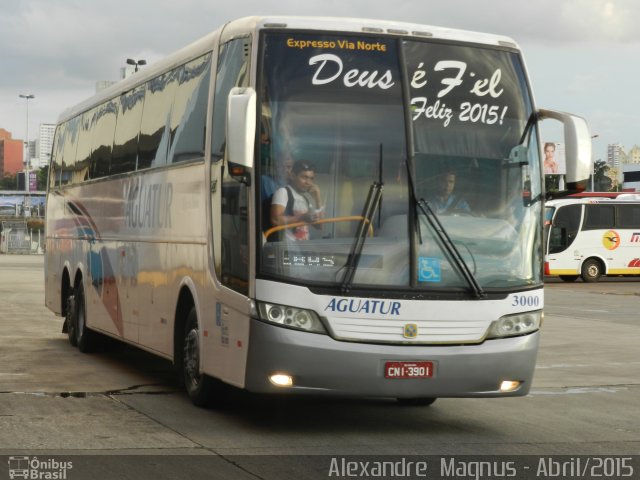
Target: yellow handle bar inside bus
point(350, 218)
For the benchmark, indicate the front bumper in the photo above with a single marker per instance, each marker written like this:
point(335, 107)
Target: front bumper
point(323, 366)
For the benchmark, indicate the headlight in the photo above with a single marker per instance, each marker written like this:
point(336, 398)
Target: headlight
point(292, 317)
point(514, 325)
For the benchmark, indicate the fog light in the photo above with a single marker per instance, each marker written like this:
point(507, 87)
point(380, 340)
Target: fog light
point(509, 385)
point(281, 380)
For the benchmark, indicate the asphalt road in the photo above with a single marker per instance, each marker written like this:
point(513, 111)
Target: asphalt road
point(125, 414)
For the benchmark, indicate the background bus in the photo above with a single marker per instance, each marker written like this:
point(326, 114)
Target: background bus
point(589, 238)
point(155, 230)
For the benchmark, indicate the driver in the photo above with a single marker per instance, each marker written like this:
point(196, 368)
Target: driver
point(444, 201)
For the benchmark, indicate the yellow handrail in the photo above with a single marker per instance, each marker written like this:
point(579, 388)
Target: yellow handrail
point(350, 218)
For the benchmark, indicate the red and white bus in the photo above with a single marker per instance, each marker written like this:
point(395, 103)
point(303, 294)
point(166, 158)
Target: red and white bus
point(592, 237)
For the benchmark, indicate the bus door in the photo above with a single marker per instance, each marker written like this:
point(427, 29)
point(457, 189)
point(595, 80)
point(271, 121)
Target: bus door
point(230, 202)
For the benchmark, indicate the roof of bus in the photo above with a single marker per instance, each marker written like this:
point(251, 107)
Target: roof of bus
point(250, 24)
point(621, 199)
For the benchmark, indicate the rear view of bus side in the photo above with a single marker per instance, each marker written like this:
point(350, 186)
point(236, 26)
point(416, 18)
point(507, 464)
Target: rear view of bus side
point(589, 238)
point(160, 226)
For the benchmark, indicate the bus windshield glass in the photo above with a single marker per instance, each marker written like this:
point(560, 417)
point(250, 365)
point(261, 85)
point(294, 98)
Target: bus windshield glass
point(447, 123)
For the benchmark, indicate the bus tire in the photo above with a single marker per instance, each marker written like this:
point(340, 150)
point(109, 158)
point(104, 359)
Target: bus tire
point(199, 386)
point(416, 402)
point(86, 339)
point(569, 278)
point(591, 270)
point(69, 320)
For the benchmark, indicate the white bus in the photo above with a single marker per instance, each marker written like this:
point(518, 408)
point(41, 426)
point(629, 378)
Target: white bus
point(590, 238)
point(156, 233)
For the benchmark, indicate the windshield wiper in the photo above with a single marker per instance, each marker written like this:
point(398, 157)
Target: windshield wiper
point(443, 236)
point(366, 221)
point(452, 251)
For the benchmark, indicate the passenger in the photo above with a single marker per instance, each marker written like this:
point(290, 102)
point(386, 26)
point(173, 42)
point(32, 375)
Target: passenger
point(443, 200)
point(270, 183)
point(297, 202)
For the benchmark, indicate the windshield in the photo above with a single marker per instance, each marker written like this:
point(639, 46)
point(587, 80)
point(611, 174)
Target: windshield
point(337, 121)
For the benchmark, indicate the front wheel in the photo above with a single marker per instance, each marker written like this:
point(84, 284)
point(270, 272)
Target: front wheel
point(200, 387)
point(591, 270)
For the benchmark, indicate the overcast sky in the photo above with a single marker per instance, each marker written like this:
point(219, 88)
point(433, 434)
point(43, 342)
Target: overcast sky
point(583, 56)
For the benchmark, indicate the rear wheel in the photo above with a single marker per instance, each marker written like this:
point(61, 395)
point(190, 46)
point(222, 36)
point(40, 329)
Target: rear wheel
point(86, 340)
point(200, 387)
point(70, 323)
point(592, 270)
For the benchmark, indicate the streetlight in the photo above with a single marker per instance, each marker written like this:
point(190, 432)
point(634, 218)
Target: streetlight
point(136, 63)
point(593, 165)
point(26, 142)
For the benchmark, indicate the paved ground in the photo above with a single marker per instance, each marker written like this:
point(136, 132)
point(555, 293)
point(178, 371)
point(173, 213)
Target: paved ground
point(57, 401)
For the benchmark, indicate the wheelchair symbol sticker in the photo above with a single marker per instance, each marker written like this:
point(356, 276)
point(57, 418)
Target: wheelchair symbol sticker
point(429, 269)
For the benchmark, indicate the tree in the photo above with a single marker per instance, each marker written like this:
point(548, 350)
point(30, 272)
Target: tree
point(601, 182)
point(8, 182)
point(43, 174)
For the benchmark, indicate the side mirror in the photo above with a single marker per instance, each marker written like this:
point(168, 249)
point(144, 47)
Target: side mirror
point(577, 140)
point(241, 130)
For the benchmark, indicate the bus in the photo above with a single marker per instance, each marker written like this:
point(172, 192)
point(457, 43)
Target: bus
point(589, 238)
point(156, 234)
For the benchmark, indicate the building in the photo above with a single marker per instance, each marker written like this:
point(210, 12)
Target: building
point(104, 84)
point(633, 156)
point(11, 154)
point(45, 144)
point(631, 177)
point(615, 155)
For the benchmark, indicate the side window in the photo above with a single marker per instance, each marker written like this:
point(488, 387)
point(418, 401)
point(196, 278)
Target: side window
point(55, 170)
point(69, 147)
point(125, 142)
point(598, 217)
point(189, 112)
point(564, 229)
point(628, 216)
point(233, 270)
point(155, 130)
point(233, 71)
point(83, 154)
point(102, 139)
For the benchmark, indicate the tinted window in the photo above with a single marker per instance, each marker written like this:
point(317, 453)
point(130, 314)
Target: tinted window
point(155, 131)
point(69, 147)
point(628, 216)
point(232, 72)
point(599, 216)
point(565, 228)
point(190, 111)
point(56, 156)
point(83, 154)
point(125, 143)
point(102, 139)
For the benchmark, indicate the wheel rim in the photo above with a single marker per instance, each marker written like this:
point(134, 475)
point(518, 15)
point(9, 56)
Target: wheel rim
point(191, 357)
point(593, 270)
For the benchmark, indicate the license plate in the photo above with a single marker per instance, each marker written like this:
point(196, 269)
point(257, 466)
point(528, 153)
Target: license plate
point(408, 369)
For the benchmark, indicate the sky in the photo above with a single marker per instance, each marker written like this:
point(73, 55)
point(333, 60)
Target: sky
point(582, 55)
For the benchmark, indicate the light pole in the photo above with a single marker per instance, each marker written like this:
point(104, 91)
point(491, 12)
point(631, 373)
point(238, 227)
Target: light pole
point(136, 63)
point(26, 142)
point(593, 165)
